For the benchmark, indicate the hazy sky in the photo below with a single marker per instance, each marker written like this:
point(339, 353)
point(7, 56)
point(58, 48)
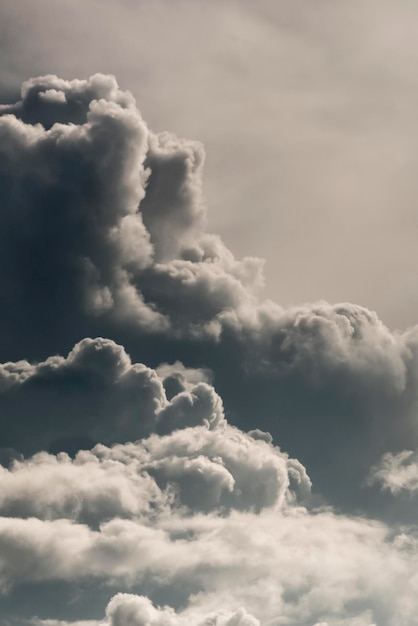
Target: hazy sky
point(208, 315)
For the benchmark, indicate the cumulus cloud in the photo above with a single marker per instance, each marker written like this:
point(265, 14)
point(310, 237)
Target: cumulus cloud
point(96, 394)
point(197, 468)
point(217, 512)
point(114, 217)
point(176, 377)
point(335, 382)
point(123, 213)
point(295, 568)
point(133, 610)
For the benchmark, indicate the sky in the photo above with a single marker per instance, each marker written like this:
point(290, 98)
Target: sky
point(209, 321)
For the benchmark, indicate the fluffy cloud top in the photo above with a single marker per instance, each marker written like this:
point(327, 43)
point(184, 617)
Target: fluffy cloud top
point(86, 163)
point(197, 468)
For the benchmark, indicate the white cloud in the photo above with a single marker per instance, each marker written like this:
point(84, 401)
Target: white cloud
point(295, 568)
point(133, 610)
point(396, 472)
point(203, 469)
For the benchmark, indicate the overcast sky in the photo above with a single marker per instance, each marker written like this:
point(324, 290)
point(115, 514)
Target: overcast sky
point(209, 313)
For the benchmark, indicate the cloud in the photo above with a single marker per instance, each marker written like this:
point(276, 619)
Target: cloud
point(83, 488)
point(133, 610)
point(96, 394)
point(87, 162)
point(396, 472)
point(133, 238)
point(329, 120)
point(293, 568)
point(78, 201)
point(197, 468)
point(217, 512)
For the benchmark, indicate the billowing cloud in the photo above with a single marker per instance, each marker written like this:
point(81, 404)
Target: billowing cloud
point(133, 610)
point(87, 163)
point(96, 394)
point(295, 568)
point(196, 468)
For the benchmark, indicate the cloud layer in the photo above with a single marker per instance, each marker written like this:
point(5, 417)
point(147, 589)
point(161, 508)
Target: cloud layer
point(196, 468)
point(294, 568)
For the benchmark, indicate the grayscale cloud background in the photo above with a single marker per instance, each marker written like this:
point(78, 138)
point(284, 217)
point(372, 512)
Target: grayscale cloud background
point(209, 319)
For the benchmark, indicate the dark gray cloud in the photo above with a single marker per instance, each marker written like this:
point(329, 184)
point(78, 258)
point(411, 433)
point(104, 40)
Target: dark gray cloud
point(78, 247)
point(96, 394)
point(337, 371)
